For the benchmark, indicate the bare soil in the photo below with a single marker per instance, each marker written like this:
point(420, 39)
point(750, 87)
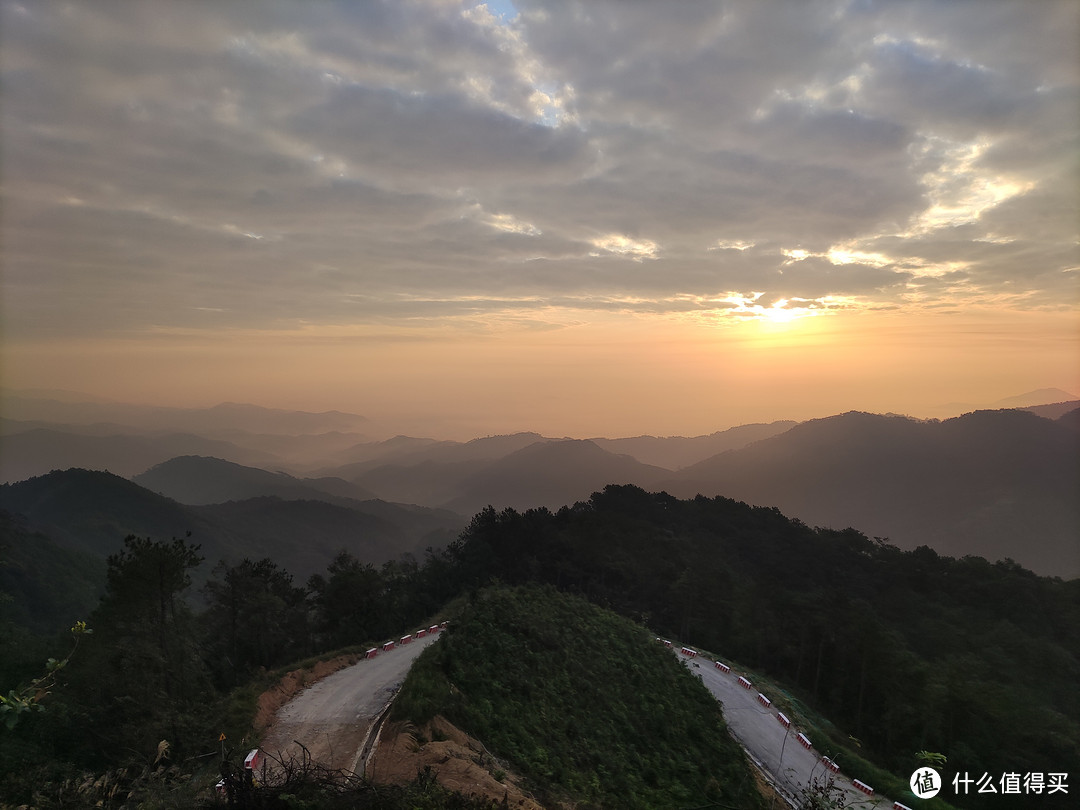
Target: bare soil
point(456, 760)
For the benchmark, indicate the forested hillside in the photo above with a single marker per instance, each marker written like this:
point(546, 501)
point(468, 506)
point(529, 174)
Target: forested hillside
point(904, 651)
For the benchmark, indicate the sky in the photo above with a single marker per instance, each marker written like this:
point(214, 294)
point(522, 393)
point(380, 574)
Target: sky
point(582, 219)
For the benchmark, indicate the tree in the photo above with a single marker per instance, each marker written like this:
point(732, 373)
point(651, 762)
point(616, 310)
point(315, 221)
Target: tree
point(143, 680)
point(256, 617)
point(349, 601)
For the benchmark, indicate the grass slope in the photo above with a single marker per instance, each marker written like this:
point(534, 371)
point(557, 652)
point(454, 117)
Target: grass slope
point(582, 702)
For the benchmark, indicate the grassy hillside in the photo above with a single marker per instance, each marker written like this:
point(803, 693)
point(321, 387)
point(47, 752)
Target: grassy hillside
point(583, 702)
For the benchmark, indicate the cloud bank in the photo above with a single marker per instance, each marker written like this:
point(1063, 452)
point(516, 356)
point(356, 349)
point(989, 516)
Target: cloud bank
point(183, 166)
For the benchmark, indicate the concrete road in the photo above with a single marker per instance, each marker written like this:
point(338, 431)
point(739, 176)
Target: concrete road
point(332, 718)
point(776, 749)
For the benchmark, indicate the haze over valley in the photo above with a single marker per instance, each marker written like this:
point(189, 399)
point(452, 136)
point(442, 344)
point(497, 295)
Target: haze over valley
point(992, 483)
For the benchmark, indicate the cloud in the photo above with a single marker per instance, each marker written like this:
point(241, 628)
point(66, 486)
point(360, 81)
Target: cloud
point(194, 166)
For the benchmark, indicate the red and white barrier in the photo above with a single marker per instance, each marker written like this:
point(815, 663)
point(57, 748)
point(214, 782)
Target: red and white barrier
point(433, 629)
point(404, 639)
point(723, 667)
point(689, 653)
point(667, 643)
point(444, 624)
point(388, 646)
point(898, 806)
point(371, 653)
point(253, 760)
point(745, 684)
point(420, 634)
point(832, 766)
point(783, 720)
point(804, 741)
point(865, 788)
point(764, 701)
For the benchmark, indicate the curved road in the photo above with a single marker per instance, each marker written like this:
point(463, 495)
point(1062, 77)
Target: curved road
point(774, 748)
point(333, 718)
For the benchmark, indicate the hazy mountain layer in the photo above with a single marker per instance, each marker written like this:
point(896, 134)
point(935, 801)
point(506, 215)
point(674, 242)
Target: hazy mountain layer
point(200, 480)
point(992, 483)
point(225, 416)
point(93, 511)
point(37, 451)
point(676, 452)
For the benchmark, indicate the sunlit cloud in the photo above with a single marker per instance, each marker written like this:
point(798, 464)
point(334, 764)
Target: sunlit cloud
point(958, 190)
point(621, 245)
point(731, 244)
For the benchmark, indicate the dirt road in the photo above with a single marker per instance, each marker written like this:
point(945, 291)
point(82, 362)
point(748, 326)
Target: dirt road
point(776, 749)
point(332, 718)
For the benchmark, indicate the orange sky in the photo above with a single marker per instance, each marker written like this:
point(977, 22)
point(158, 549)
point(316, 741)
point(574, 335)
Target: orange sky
point(613, 376)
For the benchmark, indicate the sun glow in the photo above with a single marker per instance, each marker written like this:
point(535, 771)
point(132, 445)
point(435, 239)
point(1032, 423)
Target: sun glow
point(779, 313)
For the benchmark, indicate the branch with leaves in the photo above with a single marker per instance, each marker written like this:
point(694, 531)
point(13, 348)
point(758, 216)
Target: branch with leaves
point(28, 698)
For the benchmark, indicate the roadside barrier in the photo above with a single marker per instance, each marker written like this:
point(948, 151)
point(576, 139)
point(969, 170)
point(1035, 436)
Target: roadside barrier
point(865, 788)
point(804, 741)
point(371, 653)
point(745, 684)
point(783, 720)
point(723, 667)
point(832, 766)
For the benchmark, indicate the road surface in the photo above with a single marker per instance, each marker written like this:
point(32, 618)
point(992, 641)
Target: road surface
point(332, 717)
point(773, 747)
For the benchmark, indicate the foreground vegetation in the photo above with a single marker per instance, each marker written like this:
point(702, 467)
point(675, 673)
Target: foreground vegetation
point(903, 651)
point(580, 701)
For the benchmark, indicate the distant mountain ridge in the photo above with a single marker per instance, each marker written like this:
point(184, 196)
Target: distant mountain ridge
point(40, 450)
point(92, 511)
point(224, 416)
point(197, 480)
point(676, 452)
point(551, 474)
point(994, 483)
point(991, 483)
